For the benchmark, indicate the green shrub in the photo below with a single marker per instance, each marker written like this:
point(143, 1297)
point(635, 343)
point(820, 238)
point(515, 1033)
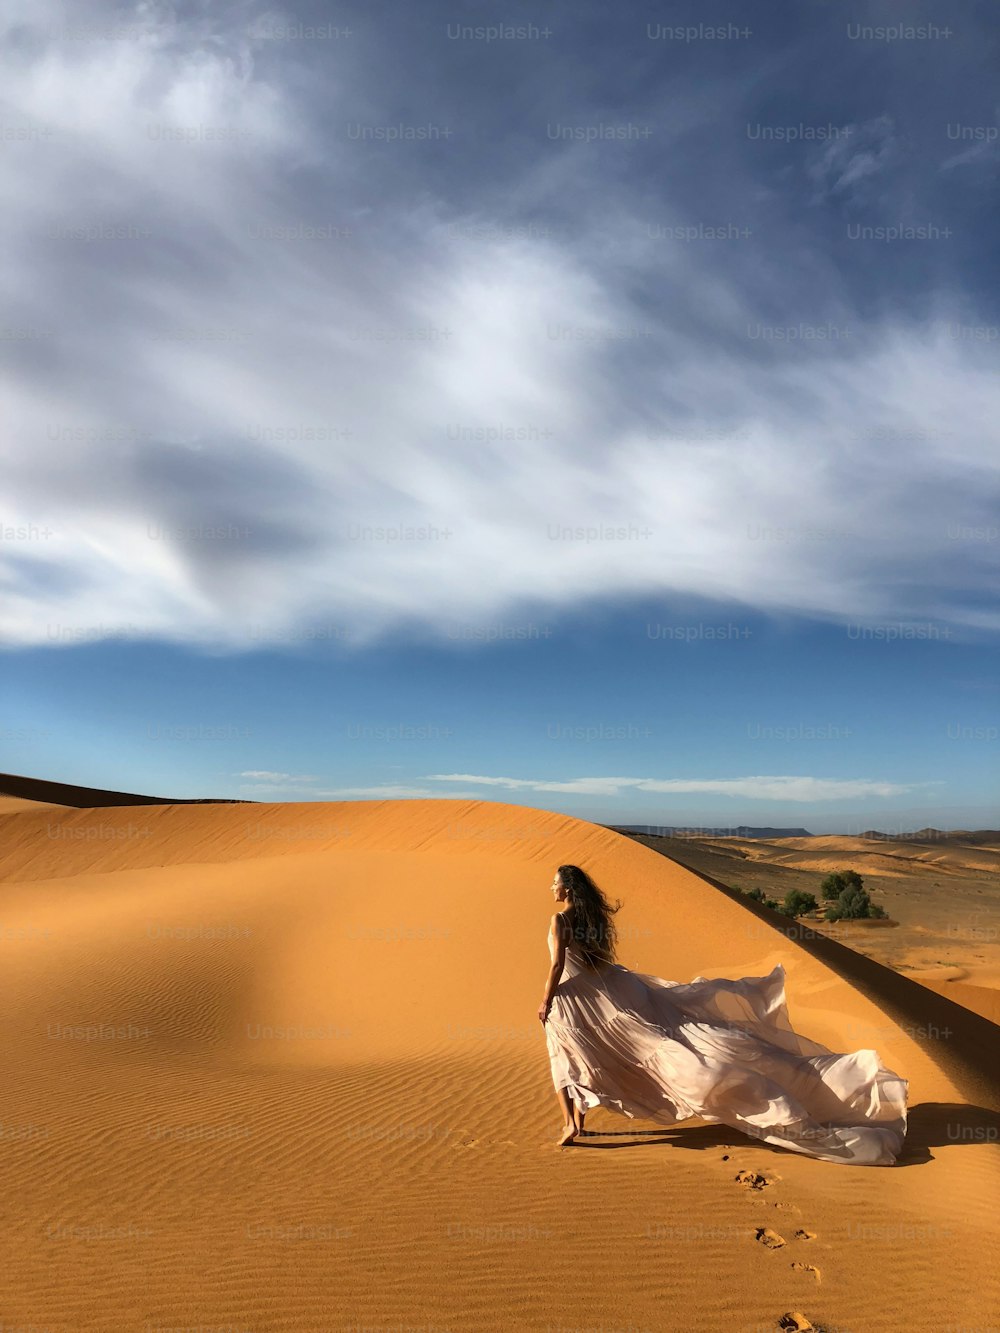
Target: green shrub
point(797, 903)
point(854, 904)
point(835, 884)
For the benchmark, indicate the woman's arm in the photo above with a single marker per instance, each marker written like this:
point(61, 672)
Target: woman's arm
point(557, 952)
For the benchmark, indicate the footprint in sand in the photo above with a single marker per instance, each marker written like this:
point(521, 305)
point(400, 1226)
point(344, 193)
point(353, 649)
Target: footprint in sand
point(796, 1320)
point(769, 1238)
point(753, 1180)
point(803, 1234)
point(808, 1268)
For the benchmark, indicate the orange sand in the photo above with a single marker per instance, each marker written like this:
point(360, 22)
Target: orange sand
point(277, 1067)
point(889, 858)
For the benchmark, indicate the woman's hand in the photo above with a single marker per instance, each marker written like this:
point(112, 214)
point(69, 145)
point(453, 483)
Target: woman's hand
point(543, 1010)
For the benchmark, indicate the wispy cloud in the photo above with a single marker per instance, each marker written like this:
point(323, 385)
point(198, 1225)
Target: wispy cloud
point(983, 154)
point(376, 792)
point(798, 788)
point(390, 792)
point(847, 164)
point(501, 391)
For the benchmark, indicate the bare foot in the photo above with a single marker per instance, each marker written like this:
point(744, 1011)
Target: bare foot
point(568, 1135)
point(578, 1118)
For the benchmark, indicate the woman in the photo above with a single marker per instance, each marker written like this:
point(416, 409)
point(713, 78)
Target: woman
point(721, 1050)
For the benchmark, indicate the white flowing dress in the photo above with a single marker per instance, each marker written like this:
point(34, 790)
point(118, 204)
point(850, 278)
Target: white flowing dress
point(721, 1050)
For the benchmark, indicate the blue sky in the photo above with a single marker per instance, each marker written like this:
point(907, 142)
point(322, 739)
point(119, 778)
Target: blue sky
point(606, 402)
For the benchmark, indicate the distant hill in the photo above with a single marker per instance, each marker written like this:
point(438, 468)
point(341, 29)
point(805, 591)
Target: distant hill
point(978, 836)
point(780, 864)
point(688, 831)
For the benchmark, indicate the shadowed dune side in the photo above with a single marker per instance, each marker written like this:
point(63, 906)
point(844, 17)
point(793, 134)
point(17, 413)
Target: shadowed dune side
point(960, 1040)
point(66, 793)
point(295, 1048)
point(982, 1000)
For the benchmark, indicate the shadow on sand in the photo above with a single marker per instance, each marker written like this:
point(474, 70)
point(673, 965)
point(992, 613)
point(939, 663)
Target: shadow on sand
point(929, 1125)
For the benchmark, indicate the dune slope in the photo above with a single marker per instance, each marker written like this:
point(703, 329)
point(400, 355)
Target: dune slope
point(278, 1067)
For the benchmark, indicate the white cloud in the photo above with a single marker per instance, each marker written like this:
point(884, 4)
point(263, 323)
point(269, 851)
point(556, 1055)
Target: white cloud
point(391, 793)
point(157, 427)
point(981, 154)
point(848, 163)
point(288, 785)
point(804, 789)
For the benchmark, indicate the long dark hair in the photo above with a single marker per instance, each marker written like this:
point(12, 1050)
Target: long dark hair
point(589, 917)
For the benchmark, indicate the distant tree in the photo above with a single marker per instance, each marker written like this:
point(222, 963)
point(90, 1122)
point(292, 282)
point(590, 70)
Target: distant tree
point(798, 903)
point(831, 887)
point(854, 904)
point(835, 884)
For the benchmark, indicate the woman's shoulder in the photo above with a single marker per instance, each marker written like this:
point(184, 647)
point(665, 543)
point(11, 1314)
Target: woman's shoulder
point(562, 922)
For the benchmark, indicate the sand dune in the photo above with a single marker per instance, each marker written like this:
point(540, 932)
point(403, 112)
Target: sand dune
point(943, 915)
point(41, 791)
point(16, 805)
point(896, 856)
point(983, 1000)
point(278, 1067)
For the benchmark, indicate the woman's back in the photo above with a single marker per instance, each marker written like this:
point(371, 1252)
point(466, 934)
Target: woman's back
point(581, 953)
